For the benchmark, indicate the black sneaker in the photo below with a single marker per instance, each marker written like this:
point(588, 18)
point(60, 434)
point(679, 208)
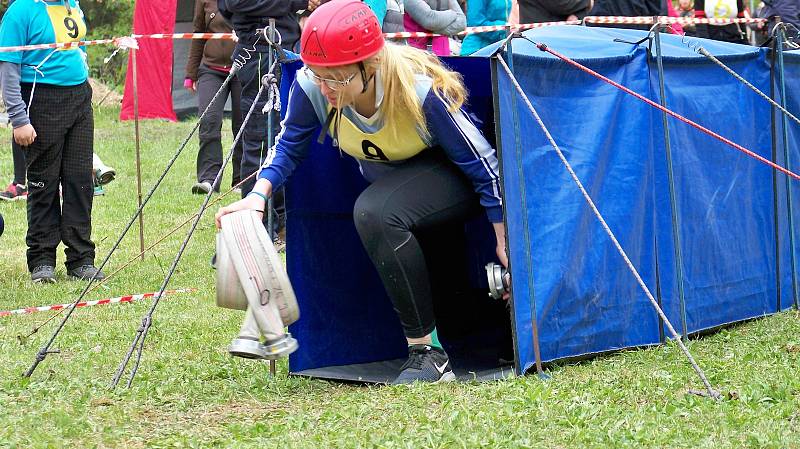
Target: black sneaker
point(85, 273)
point(44, 274)
point(425, 364)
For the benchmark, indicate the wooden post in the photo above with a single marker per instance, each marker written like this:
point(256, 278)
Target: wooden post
point(138, 153)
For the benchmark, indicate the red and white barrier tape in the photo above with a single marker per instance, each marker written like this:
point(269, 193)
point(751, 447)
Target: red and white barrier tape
point(99, 302)
point(644, 20)
point(60, 45)
point(605, 20)
point(593, 19)
point(207, 36)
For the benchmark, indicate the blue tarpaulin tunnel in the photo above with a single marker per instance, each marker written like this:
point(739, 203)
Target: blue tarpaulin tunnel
point(569, 283)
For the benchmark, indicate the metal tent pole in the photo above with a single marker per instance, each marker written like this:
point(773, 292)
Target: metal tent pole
point(775, 211)
point(525, 225)
point(270, 142)
point(779, 38)
point(673, 202)
point(499, 143)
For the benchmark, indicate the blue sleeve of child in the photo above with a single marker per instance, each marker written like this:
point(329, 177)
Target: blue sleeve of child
point(14, 32)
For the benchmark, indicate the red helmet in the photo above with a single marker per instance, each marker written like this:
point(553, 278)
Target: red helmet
point(340, 32)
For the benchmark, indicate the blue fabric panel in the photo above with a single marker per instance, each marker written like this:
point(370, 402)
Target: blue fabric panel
point(344, 310)
point(586, 300)
point(479, 233)
point(792, 75)
point(568, 278)
point(724, 198)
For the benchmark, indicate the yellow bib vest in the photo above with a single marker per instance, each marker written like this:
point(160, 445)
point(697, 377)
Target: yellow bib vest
point(381, 145)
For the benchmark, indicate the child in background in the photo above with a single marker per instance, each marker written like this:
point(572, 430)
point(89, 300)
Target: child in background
point(485, 13)
point(49, 102)
point(434, 16)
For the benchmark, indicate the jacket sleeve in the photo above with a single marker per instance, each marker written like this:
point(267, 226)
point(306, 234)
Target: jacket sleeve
point(262, 8)
point(446, 22)
point(293, 142)
point(466, 147)
point(565, 7)
point(197, 45)
point(12, 94)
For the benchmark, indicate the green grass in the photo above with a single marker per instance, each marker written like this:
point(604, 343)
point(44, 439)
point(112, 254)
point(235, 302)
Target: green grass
point(190, 393)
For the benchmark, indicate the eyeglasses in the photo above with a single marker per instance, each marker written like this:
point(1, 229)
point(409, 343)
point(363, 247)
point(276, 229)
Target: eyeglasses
point(332, 84)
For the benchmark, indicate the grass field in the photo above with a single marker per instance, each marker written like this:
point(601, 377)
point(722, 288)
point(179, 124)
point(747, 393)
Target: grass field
point(190, 393)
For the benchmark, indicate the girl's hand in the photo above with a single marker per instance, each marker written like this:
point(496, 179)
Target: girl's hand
point(500, 249)
point(251, 202)
point(500, 233)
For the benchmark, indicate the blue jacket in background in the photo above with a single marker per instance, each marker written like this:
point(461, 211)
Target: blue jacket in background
point(378, 7)
point(485, 13)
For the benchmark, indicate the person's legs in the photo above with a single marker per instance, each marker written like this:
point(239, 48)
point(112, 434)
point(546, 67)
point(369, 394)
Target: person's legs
point(209, 156)
point(18, 155)
point(426, 192)
point(236, 124)
point(278, 197)
point(43, 163)
point(77, 182)
point(254, 136)
point(17, 189)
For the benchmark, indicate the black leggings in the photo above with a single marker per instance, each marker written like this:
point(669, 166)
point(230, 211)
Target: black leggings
point(426, 191)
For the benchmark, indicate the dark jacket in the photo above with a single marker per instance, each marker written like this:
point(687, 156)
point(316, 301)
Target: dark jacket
point(629, 8)
point(537, 11)
point(787, 10)
point(246, 16)
point(212, 52)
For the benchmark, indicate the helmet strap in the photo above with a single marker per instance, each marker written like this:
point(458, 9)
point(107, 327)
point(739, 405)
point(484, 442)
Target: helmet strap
point(364, 80)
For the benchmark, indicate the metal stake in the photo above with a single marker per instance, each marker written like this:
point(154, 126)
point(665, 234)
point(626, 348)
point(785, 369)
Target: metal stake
point(673, 201)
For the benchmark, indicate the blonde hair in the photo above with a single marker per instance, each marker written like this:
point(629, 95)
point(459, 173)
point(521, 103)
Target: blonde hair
point(399, 65)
